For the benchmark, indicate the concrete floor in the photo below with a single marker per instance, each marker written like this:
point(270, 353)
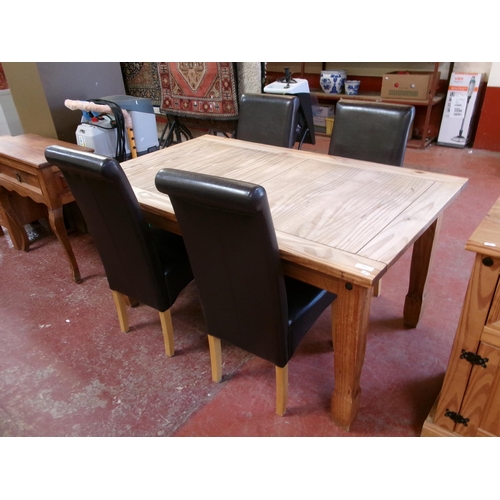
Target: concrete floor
point(67, 370)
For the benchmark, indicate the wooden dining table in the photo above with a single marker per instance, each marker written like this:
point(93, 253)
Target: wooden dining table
point(340, 224)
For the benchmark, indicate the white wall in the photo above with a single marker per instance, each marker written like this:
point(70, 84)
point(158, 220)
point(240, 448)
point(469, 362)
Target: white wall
point(4, 126)
point(494, 79)
point(473, 67)
point(9, 119)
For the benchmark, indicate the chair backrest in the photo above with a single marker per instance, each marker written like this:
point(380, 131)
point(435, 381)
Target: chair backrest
point(116, 223)
point(371, 131)
point(229, 235)
point(268, 119)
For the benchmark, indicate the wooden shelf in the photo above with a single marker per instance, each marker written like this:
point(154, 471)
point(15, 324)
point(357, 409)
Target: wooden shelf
point(420, 143)
point(428, 112)
point(374, 96)
point(423, 120)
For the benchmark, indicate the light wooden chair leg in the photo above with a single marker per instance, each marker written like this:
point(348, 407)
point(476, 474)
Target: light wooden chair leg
point(131, 302)
point(121, 309)
point(168, 332)
point(214, 346)
point(281, 389)
point(377, 289)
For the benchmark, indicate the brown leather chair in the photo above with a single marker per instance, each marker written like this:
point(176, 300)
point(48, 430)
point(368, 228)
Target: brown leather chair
point(141, 262)
point(371, 131)
point(232, 246)
point(268, 119)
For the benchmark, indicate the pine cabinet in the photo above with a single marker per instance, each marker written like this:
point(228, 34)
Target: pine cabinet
point(469, 402)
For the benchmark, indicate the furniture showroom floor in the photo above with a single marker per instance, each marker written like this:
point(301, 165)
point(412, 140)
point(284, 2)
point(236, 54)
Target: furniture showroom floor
point(67, 370)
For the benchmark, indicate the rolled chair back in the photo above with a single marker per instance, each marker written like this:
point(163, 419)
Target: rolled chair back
point(268, 119)
point(229, 234)
point(116, 223)
point(371, 131)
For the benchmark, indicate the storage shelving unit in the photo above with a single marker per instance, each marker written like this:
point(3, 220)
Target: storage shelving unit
point(428, 112)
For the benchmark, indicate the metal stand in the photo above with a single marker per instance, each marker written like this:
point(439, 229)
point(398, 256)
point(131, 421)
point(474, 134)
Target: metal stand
point(175, 128)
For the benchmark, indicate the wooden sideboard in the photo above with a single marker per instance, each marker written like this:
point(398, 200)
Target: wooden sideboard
point(31, 188)
point(469, 402)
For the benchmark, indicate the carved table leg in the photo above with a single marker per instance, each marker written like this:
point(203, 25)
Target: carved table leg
point(11, 221)
point(423, 250)
point(56, 221)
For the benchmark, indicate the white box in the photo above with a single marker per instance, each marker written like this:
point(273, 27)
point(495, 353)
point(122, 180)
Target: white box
point(102, 138)
point(459, 109)
point(320, 113)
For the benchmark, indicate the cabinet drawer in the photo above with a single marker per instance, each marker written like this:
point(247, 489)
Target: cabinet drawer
point(480, 405)
point(14, 175)
point(477, 323)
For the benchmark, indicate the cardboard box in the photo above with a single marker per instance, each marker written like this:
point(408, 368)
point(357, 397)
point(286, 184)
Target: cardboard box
point(414, 85)
point(329, 125)
point(459, 109)
point(320, 113)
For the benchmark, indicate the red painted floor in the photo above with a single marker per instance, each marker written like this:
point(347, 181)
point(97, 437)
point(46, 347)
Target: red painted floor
point(67, 370)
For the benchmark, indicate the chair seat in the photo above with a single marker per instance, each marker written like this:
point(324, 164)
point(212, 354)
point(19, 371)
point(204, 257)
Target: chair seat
point(305, 304)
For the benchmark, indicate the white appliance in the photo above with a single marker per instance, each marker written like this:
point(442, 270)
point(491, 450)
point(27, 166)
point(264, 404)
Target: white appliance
point(100, 134)
point(300, 88)
point(294, 86)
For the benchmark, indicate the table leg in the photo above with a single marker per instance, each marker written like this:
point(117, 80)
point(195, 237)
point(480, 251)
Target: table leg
point(350, 312)
point(423, 251)
point(56, 221)
point(12, 222)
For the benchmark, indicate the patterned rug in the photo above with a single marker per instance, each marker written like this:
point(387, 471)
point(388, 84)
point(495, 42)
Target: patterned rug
point(141, 80)
point(199, 89)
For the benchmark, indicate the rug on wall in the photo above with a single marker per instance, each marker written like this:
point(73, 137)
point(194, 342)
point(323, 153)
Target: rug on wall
point(3, 81)
point(141, 80)
point(199, 89)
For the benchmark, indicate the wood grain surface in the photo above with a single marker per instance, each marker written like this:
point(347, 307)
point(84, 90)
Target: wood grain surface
point(340, 216)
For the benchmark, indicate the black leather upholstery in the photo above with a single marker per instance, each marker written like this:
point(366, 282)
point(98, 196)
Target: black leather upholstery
point(371, 131)
point(268, 119)
point(146, 263)
point(232, 246)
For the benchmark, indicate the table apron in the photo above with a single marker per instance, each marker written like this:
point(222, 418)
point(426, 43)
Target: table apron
point(23, 189)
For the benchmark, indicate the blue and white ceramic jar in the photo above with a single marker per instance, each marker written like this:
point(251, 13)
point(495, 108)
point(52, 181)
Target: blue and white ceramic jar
point(352, 87)
point(332, 81)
